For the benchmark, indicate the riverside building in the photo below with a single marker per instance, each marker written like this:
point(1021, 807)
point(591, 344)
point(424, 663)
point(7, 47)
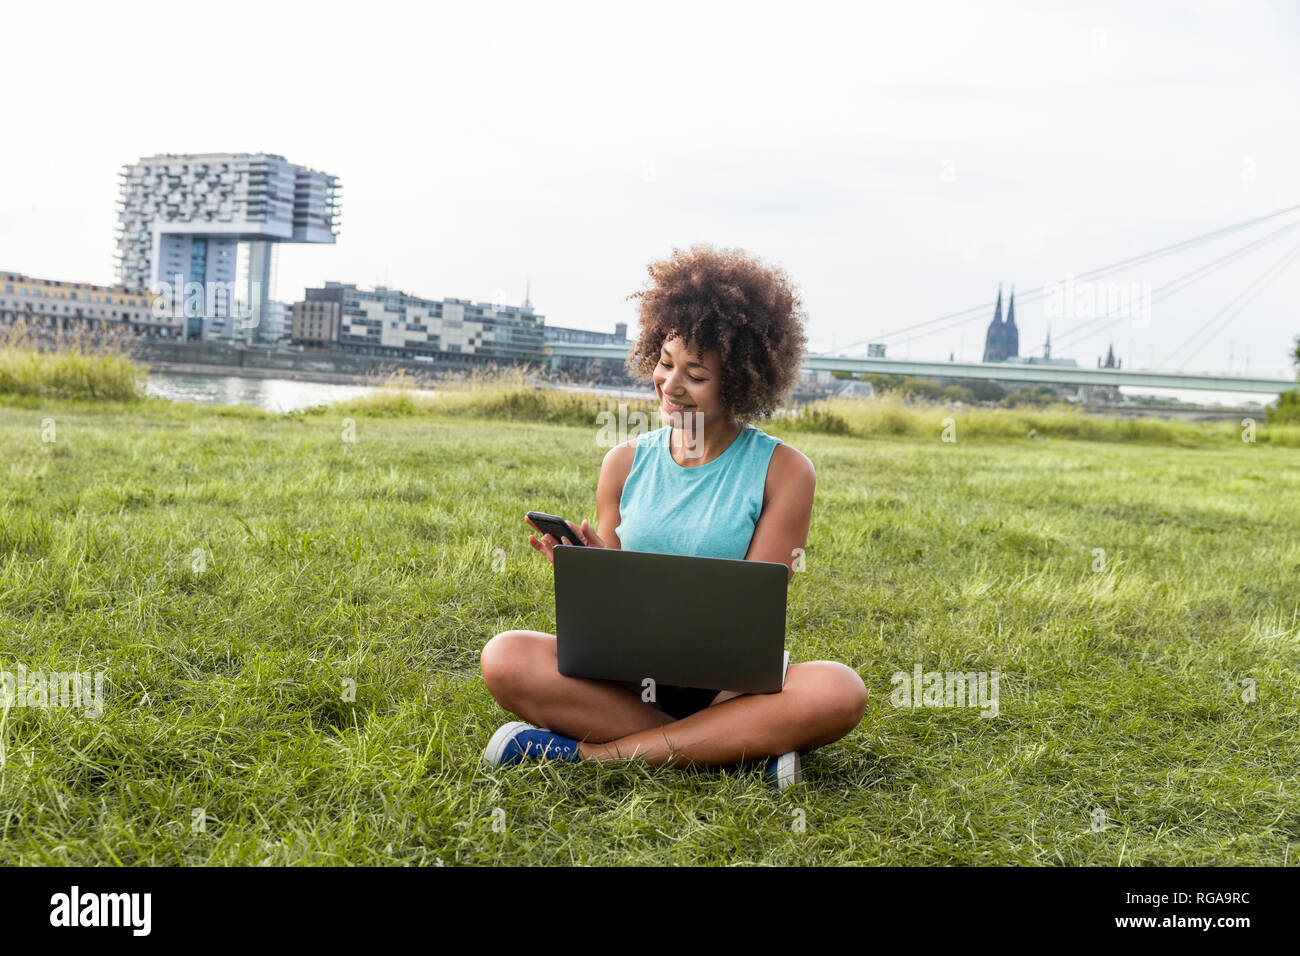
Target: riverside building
point(61, 305)
point(202, 229)
point(389, 322)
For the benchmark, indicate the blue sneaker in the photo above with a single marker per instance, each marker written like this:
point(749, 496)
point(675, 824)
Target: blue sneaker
point(784, 771)
point(517, 741)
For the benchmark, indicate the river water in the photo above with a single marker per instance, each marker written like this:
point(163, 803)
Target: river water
point(268, 394)
point(283, 395)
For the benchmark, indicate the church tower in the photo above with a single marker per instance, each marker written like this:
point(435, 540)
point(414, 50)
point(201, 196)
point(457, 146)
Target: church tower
point(1011, 335)
point(993, 339)
point(1003, 338)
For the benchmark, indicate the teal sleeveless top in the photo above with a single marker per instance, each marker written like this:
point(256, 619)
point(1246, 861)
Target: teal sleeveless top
point(709, 511)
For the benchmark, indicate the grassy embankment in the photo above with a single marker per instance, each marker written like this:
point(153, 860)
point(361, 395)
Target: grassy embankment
point(76, 368)
point(230, 571)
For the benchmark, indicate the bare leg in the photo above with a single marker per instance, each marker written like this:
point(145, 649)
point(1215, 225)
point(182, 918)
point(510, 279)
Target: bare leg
point(520, 669)
point(821, 702)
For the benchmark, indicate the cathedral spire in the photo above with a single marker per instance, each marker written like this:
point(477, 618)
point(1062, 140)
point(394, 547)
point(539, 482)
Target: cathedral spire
point(994, 339)
point(1011, 336)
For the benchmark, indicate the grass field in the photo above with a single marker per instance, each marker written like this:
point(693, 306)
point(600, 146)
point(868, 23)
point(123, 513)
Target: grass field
point(232, 573)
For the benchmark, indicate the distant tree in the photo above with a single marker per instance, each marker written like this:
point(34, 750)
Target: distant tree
point(1038, 395)
point(984, 390)
point(1287, 410)
point(1288, 403)
point(958, 393)
point(1047, 394)
point(884, 383)
point(920, 388)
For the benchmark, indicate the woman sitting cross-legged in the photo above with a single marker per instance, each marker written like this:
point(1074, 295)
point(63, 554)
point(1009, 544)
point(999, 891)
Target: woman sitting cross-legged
point(722, 338)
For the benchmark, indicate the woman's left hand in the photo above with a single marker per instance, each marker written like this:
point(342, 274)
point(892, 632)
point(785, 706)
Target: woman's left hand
point(547, 543)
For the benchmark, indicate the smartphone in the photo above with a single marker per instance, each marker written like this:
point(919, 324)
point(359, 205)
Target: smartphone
point(556, 526)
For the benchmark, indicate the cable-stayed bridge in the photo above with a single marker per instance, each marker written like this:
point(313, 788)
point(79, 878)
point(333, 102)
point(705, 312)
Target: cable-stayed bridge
point(1103, 312)
point(1001, 371)
point(1051, 374)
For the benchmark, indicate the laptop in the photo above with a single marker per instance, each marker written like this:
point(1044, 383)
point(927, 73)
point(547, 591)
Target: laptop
point(692, 622)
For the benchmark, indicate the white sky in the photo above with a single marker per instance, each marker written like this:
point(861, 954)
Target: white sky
point(898, 159)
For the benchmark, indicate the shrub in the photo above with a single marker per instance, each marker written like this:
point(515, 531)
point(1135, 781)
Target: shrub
point(817, 418)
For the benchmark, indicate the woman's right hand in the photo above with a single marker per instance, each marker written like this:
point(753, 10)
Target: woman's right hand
point(547, 543)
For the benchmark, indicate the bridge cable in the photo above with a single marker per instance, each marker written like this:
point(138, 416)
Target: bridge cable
point(1191, 276)
point(1261, 282)
point(1169, 288)
point(1033, 294)
point(1182, 282)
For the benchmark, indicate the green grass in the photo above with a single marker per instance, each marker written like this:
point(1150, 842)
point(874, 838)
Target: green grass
point(373, 561)
point(510, 396)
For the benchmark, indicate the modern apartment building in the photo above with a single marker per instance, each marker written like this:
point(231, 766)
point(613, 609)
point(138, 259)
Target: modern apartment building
point(387, 321)
point(59, 304)
point(281, 319)
point(183, 219)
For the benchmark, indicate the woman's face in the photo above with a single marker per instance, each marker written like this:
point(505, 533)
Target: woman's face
point(688, 382)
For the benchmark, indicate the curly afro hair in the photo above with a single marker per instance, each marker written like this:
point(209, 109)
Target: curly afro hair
point(726, 300)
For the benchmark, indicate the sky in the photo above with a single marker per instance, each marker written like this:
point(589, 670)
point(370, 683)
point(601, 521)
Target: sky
point(899, 161)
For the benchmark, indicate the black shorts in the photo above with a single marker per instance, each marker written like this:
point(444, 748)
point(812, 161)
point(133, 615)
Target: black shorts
point(680, 702)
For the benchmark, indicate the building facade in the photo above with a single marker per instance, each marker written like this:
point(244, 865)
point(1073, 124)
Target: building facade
point(559, 333)
point(387, 321)
point(317, 319)
point(183, 219)
point(607, 370)
point(61, 305)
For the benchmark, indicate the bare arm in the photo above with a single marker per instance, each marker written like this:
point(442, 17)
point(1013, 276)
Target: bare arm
point(782, 529)
point(609, 491)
